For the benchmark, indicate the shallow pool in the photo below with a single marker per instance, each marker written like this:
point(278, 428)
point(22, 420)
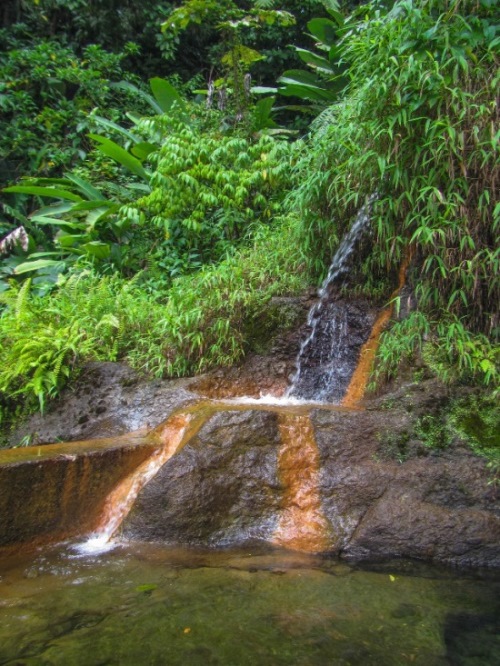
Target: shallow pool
point(143, 604)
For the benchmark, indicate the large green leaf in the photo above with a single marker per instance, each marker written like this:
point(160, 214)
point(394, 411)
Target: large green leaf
point(55, 209)
point(97, 249)
point(324, 30)
point(38, 191)
point(36, 265)
point(143, 149)
point(104, 122)
point(56, 222)
point(299, 76)
point(313, 93)
point(98, 214)
point(107, 212)
point(120, 155)
point(72, 241)
point(165, 94)
point(125, 85)
point(87, 189)
point(263, 90)
point(315, 60)
point(91, 205)
point(262, 114)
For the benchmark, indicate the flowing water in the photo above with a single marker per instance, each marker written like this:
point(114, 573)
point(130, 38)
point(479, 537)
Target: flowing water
point(324, 362)
point(175, 432)
point(151, 605)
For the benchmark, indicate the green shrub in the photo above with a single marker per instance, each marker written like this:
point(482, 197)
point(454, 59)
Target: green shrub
point(200, 324)
point(46, 94)
point(209, 189)
point(207, 314)
point(44, 340)
point(476, 420)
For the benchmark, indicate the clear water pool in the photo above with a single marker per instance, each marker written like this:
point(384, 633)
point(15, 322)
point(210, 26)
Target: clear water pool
point(144, 604)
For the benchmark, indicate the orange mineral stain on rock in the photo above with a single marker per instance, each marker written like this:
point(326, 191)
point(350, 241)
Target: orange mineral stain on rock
point(302, 525)
point(172, 436)
point(359, 380)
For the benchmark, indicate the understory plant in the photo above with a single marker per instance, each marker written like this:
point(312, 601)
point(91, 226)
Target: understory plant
point(47, 92)
point(210, 189)
point(201, 322)
point(44, 340)
point(209, 314)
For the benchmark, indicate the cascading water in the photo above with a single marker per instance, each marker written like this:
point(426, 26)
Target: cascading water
point(341, 332)
point(325, 359)
point(177, 430)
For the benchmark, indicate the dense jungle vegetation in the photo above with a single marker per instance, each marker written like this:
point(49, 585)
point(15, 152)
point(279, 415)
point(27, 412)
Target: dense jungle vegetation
point(167, 168)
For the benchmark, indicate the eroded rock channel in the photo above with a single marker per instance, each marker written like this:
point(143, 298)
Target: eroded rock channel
point(231, 482)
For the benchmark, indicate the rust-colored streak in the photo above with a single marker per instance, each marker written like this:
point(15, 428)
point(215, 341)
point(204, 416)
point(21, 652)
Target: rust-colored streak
point(302, 525)
point(120, 501)
point(173, 435)
point(359, 380)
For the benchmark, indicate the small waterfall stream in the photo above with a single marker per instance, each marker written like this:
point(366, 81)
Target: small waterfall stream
point(173, 435)
point(324, 369)
point(324, 362)
point(327, 365)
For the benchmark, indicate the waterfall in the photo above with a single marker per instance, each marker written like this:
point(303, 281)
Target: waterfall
point(324, 361)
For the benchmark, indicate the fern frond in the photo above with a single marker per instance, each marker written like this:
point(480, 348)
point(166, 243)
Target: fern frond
point(21, 307)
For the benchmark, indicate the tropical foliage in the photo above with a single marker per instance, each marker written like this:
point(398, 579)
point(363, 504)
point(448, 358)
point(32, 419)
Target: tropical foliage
point(153, 223)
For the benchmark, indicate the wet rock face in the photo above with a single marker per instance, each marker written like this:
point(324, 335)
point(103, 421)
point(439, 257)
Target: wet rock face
point(108, 399)
point(222, 488)
point(437, 508)
point(329, 356)
point(225, 487)
point(49, 493)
